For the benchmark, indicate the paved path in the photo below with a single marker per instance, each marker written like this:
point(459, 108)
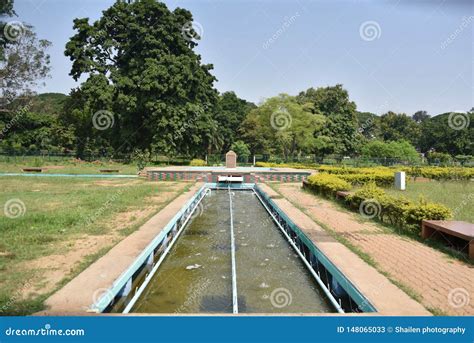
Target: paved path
point(442, 283)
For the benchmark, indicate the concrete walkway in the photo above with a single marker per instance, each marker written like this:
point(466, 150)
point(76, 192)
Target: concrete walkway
point(441, 283)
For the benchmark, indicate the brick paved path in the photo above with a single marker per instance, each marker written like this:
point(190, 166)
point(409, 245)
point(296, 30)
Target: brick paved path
point(442, 283)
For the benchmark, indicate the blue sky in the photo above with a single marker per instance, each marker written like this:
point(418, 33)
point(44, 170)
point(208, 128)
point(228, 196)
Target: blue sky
point(391, 55)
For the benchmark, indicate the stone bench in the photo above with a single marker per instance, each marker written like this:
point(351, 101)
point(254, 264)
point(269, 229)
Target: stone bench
point(459, 229)
point(109, 170)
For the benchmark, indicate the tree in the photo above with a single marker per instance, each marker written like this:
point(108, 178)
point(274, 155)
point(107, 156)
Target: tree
point(25, 63)
point(401, 150)
point(162, 96)
point(339, 135)
point(328, 100)
point(399, 126)
point(230, 112)
point(439, 134)
point(281, 126)
point(6, 10)
point(420, 116)
point(37, 126)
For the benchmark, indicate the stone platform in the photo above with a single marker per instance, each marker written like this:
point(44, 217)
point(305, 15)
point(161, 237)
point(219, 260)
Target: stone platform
point(211, 174)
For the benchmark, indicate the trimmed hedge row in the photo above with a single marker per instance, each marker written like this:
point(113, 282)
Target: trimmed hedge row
point(327, 184)
point(197, 163)
point(435, 173)
point(441, 173)
point(295, 165)
point(373, 202)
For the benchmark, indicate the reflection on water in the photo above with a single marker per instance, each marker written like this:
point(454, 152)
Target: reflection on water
point(196, 275)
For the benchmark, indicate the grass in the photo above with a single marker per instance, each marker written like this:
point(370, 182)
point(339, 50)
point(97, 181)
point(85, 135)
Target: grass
point(62, 165)
point(457, 195)
point(56, 212)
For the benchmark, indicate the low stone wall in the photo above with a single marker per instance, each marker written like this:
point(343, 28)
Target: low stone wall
point(178, 175)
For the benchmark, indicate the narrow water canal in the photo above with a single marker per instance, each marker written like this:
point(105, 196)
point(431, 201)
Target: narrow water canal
point(196, 276)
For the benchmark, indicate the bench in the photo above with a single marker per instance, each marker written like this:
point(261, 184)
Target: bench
point(33, 169)
point(109, 170)
point(459, 229)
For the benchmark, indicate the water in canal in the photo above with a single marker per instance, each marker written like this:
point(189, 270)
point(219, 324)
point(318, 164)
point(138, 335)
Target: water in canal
point(196, 276)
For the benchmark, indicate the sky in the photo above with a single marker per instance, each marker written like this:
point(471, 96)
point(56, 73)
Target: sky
point(398, 55)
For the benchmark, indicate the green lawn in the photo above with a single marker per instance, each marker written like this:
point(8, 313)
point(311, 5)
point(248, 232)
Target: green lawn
point(57, 165)
point(457, 195)
point(56, 213)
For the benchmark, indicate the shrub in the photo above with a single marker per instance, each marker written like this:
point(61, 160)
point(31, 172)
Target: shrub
point(401, 150)
point(327, 184)
point(398, 211)
point(294, 165)
point(382, 179)
point(413, 214)
point(242, 150)
point(197, 162)
point(438, 158)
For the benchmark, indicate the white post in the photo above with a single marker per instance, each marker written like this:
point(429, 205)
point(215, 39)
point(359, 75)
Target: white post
point(253, 161)
point(400, 181)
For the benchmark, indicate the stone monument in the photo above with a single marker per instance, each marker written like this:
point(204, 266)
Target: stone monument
point(231, 159)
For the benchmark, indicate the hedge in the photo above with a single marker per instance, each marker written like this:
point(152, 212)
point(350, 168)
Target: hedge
point(327, 184)
point(435, 173)
point(295, 165)
point(197, 162)
point(372, 201)
point(398, 211)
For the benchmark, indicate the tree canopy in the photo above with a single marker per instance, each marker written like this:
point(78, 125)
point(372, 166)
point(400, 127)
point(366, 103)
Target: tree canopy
point(147, 75)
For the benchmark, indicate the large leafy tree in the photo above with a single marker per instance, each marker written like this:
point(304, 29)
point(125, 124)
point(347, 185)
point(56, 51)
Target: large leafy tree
point(339, 135)
point(230, 112)
point(438, 135)
point(399, 126)
point(281, 126)
point(25, 62)
point(159, 92)
point(6, 10)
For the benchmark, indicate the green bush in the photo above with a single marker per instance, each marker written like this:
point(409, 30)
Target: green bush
point(382, 179)
point(294, 165)
point(398, 211)
point(197, 162)
point(415, 213)
point(327, 184)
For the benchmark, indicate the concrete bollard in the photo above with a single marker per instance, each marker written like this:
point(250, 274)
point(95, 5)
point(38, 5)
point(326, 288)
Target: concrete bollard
point(400, 181)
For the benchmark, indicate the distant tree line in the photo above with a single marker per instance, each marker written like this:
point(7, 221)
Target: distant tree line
point(146, 90)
